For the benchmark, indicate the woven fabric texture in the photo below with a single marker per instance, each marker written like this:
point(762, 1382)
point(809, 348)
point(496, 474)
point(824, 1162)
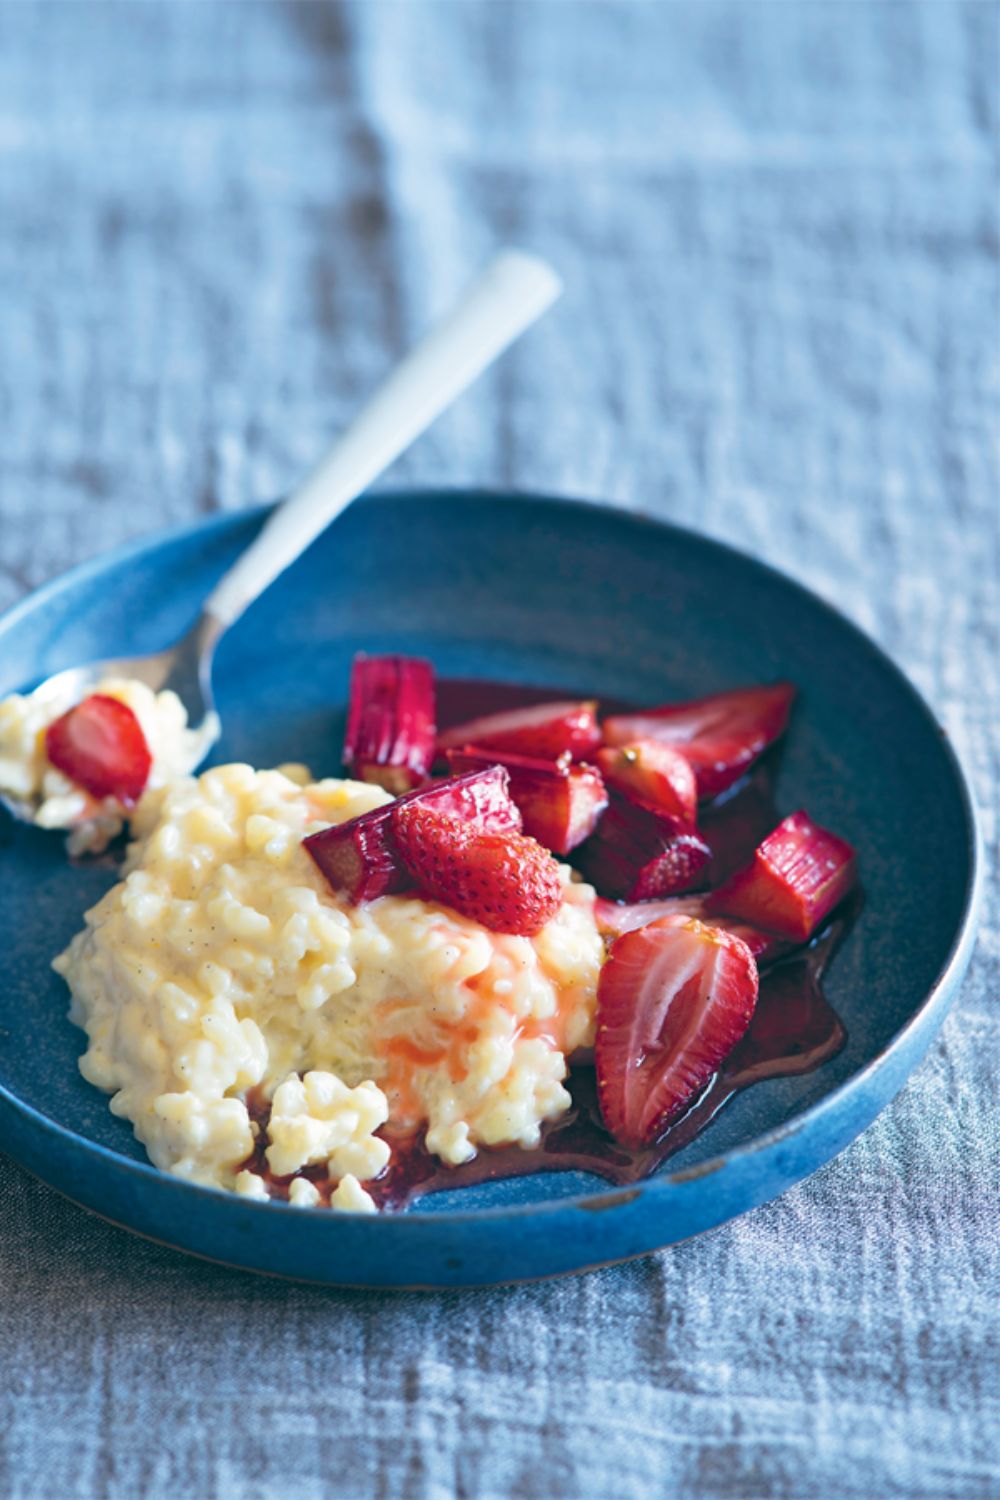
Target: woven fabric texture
point(778, 225)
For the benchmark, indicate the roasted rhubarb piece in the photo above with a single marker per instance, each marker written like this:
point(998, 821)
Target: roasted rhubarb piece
point(100, 746)
point(614, 918)
point(390, 721)
point(673, 1000)
point(721, 735)
point(560, 802)
point(654, 775)
point(361, 857)
point(544, 730)
point(505, 881)
point(795, 879)
point(635, 855)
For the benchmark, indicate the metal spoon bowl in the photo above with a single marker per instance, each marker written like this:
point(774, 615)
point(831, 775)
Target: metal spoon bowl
point(512, 292)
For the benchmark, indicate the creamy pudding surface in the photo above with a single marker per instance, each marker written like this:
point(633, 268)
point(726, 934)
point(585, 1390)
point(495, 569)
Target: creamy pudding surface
point(223, 971)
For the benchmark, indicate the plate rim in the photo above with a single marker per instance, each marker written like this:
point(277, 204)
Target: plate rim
point(940, 995)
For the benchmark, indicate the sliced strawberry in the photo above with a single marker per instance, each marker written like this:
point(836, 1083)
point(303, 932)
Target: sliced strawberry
point(361, 857)
point(795, 879)
point(545, 730)
point(673, 1000)
point(654, 775)
point(614, 918)
point(390, 721)
point(721, 735)
point(560, 802)
point(100, 746)
point(637, 856)
point(505, 881)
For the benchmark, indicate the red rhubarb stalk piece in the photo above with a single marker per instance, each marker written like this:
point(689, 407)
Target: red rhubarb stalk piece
point(560, 802)
point(634, 855)
point(100, 746)
point(721, 735)
point(543, 730)
point(390, 721)
point(654, 775)
point(614, 918)
point(673, 999)
point(505, 881)
point(795, 879)
point(361, 857)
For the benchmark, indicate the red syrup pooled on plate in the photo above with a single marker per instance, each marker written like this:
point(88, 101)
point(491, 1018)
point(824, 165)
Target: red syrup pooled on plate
point(733, 825)
point(794, 1029)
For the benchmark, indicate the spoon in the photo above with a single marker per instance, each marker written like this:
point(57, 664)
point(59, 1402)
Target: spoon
point(508, 296)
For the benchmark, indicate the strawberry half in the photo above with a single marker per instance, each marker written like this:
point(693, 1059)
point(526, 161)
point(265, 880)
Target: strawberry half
point(100, 746)
point(636, 855)
point(721, 735)
point(795, 879)
point(614, 918)
point(361, 857)
point(654, 775)
point(560, 802)
point(543, 730)
point(505, 881)
point(673, 1000)
point(390, 721)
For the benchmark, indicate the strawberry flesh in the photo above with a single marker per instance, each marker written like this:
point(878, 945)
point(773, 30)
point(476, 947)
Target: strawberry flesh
point(100, 746)
point(721, 735)
point(797, 876)
point(654, 775)
point(614, 918)
point(635, 855)
point(560, 802)
point(390, 721)
point(673, 1000)
point(361, 857)
point(505, 881)
point(542, 730)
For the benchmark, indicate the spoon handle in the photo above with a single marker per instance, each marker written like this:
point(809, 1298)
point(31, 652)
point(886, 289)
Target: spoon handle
point(505, 299)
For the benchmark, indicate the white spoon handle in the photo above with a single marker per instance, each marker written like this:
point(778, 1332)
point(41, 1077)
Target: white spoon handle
point(511, 293)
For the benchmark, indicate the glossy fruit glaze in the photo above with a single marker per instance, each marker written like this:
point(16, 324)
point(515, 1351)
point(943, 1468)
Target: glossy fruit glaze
point(794, 1028)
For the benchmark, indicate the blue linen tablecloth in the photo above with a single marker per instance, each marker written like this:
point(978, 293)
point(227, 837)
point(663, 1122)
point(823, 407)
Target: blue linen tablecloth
point(778, 225)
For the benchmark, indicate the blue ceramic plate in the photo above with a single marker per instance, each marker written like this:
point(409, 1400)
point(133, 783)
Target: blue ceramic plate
point(539, 591)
